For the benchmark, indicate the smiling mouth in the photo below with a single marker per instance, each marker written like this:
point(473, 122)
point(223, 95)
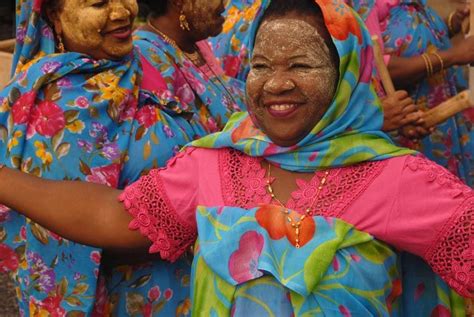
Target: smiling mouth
point(282, 110)
point(121, 33)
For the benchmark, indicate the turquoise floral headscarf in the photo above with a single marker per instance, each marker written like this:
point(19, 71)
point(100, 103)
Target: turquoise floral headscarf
point(350, 130)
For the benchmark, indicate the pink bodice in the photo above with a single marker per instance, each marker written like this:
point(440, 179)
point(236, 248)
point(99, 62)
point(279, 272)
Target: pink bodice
point(408, 202)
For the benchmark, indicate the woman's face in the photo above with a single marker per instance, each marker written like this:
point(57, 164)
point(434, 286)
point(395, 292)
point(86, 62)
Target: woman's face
point(204, 16)
point(293, 77)
point(99, 28)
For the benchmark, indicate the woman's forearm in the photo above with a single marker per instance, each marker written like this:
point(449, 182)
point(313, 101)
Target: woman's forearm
point(83, 212)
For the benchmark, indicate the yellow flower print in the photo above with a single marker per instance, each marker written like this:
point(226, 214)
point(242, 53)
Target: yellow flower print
point(235, 43)
point(233, 16)
point(249, 14)
point(14, 140)
point(76, 127)
point(184, 308)
point(4, 106)
point(42, 153)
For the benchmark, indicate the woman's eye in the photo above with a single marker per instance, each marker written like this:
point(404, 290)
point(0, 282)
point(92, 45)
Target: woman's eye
point(301, 66)
point(99, 4)
point(259, 66)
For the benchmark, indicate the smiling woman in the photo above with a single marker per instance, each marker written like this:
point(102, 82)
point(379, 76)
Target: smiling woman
point(298, 226)
point(66, 114)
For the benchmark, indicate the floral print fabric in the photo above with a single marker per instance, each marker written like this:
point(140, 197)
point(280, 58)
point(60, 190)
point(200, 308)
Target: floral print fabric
point(182, 105)
point(412, 29)
point(247, 265)
point(63, 116)
point(231, 46)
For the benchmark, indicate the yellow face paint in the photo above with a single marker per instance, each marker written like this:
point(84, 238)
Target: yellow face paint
point(99, 28)
point(204, 16)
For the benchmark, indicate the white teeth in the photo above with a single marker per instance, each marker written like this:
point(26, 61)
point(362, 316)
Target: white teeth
point(281, 107)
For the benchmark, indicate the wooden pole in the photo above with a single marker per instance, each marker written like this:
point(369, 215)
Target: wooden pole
point(447, 109)
point(382, 68)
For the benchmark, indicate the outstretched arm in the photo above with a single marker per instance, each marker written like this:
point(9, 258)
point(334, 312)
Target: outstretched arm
point(83, 212)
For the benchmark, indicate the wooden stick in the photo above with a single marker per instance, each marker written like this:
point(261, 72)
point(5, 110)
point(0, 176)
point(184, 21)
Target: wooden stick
point(447, 109)
point(381, 67)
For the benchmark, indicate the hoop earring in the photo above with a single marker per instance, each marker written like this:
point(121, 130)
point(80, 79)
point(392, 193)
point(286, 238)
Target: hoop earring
point(60, 45)
point(183, 22)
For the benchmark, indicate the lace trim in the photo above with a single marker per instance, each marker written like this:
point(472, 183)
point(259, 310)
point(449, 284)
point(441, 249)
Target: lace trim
point(244, 184)
point(452, 255)
point(436, 173)
point(147, 202)
point(243, 179)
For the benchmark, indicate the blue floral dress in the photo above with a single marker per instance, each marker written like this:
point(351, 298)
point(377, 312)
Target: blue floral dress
point(183, 103)
point(413, 28)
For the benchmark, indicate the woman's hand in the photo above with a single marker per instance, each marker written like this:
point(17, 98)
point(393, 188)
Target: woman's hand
point(399, 110)
point(462, 52)
point(455, 21)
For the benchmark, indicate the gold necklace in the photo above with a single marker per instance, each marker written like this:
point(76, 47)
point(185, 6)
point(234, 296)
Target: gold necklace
point(195, 57)
point(296, 224)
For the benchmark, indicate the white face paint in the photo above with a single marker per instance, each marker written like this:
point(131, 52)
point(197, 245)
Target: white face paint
point(99, 28)
point(204, 16)
point(293, 77)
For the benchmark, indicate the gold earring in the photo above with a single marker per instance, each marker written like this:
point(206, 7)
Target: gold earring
point(60, 44)
point(99, 30)
point(183, 22)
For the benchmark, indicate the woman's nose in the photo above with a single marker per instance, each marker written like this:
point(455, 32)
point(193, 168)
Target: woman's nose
point(119, 11)
point(278, 84)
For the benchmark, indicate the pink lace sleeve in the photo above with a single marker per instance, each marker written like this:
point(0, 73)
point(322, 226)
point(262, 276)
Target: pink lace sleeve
point(168, 223)
point(434, 220)
point(452, 255)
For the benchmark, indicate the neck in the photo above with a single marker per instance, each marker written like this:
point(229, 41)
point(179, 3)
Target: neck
point(169, 25)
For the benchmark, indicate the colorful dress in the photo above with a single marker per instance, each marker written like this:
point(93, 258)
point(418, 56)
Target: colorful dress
point(66, 116)
point(379, 198)
point(217, 189)
point(180, 103)
point(63, 116)
point(413, 28)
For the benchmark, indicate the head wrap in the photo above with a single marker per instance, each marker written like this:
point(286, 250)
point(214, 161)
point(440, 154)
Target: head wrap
point(350, 130)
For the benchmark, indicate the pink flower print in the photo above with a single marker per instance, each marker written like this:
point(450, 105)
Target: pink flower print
point(4, 213)
point(146, 116)
point(183, 90)
point(147, 310)
point(185, 94)
point(8, 259)
point(231, 65)
point(50, 67)
point(399, 42)
point(243, 263)
point(81, 102)
point(64, 82)
point(51, 306)
point(22, 107)
point(344, 311)
point(95, 257)
point(154, 293)
point(440, 311)
point(23, 233)
point(48, 118)
point(105, 175)
point(110, 151)
point(335, 265)
point(194, 83)
point(168, 294)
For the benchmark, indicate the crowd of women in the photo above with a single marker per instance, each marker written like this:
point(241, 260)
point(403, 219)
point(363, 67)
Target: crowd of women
point(236, 158)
